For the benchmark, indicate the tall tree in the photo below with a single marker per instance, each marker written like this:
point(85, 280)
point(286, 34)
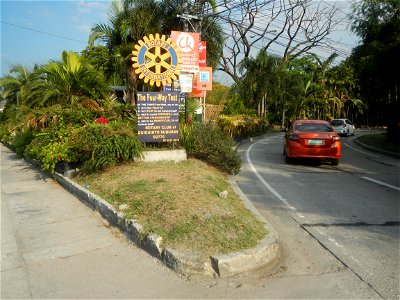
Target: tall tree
point(377, 61)
point(129, 21)
point(261, 81)
point(295, 26)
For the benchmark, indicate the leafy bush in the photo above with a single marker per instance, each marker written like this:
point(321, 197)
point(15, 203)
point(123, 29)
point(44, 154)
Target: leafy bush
point(235, 105)
point(211, 145)
point(44, 133)
point(21, 141)
point(186, 137)
point(11, 122)
point(100, 146)
point(236, 126)
point(58, 115)
point(51, 146)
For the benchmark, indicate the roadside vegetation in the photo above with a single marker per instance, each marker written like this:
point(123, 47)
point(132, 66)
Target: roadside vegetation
point(64, 114)
point(380, 141)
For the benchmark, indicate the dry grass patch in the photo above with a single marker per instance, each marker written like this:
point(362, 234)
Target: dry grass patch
point(180, 202)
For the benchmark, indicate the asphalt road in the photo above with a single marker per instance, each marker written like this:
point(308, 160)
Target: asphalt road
point(351, 210)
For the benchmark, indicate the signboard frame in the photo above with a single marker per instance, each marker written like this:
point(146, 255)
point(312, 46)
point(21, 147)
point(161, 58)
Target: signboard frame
point(158, 116)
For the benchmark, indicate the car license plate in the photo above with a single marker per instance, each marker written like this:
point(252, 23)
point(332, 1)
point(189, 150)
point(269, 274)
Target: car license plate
point(315, 142)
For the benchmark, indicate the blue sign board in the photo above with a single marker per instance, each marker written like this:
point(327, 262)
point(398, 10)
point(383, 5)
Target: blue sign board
point(158, 116)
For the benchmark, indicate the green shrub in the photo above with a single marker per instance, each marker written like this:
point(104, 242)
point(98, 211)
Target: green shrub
point(51, 146)
point(100, 146)
point(211, 145)
point(21, 141)
point(239, 126)
point(186, 136)
point(11, 122)
point(58, 115)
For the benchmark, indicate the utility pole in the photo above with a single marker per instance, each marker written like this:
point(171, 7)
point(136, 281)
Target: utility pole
point(187, 18)
point(195, 22)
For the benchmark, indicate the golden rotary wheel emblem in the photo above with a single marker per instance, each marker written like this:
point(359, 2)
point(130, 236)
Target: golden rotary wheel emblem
point(157, 60)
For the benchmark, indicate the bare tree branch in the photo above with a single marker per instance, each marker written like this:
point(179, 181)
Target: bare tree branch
point(288, 27)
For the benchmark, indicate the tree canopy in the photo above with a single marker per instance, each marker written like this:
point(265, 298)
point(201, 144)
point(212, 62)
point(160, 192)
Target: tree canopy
point(376, 60)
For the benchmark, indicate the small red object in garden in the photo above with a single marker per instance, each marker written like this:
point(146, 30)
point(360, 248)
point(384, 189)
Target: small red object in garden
point(102, 120)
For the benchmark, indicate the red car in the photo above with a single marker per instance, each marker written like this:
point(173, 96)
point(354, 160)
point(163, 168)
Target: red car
point(312, 139)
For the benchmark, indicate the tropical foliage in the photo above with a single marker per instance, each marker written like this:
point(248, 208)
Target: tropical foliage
point(130, 20)
point(70, 81)
point(305, 87)
point(15, 86)
point(239, 126)
point(210, 144)
point(51, 108)
point(376, 61)
point(101, 146)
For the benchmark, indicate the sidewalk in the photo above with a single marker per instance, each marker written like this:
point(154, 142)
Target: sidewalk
point(53, 246)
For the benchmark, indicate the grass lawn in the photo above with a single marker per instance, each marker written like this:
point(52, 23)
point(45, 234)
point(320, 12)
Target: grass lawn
point(181, 203)
point(378, 140)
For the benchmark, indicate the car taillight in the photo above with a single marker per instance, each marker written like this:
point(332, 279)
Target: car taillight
point(335, 138)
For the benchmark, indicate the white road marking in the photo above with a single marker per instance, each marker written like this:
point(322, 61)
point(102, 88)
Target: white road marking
point(382, 183)
point(274, 192)
point(266, 184)
point(337, 244)
point(346, 144)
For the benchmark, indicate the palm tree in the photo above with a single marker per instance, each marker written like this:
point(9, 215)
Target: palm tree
point(67, 82)
point(131, 20)
point(16, 85)
point(261, 81)
point(342, 84)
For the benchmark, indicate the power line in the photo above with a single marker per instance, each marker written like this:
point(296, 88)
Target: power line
point(322, 47)
point(43, 32)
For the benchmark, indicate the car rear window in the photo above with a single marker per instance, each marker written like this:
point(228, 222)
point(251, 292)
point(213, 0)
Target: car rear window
point(312, 127)
point(337, 122)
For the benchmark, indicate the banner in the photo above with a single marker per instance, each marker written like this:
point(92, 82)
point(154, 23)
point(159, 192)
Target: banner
point(188, 45)
point(195, 91)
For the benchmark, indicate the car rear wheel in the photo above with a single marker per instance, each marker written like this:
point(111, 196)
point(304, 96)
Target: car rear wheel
point(335, 162)
point(288, 159)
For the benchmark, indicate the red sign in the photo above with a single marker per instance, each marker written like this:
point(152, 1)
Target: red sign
point(203, 54)
point(196, 92)
point(202, 63)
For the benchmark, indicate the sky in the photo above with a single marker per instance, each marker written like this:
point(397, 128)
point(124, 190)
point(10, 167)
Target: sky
point(38, 31)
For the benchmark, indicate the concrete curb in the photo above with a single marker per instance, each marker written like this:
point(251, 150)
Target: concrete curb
point(188, 264)
point(172, 155)
point(388, 153)
point(265, 253)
